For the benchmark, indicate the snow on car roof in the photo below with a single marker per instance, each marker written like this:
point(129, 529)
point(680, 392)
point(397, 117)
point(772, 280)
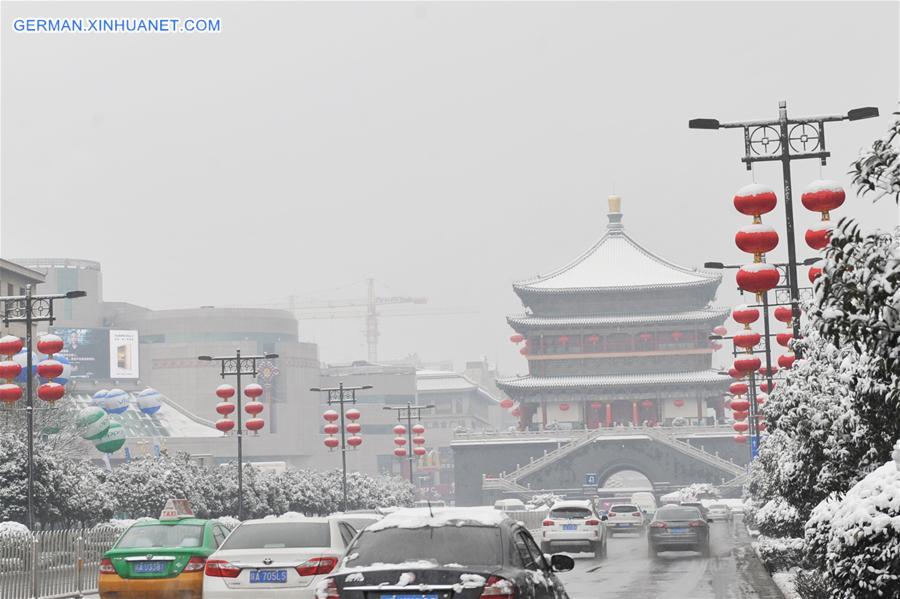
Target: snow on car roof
point(453, 516)
point(572, 503)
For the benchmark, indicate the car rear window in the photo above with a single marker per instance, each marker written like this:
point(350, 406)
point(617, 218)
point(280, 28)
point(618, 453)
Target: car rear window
point(162, 535)
point(465, 545)
point(571, 513)
point(279, 536)
point(622, 509)
point(678, 513)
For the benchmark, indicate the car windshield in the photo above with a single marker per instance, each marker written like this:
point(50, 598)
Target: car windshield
point(464, 545)
point(279, 536)
point(678, 513)
point(622, 509)
point(570, 512)
point(162, 535)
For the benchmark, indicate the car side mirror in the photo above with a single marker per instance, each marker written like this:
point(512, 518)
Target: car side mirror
point(561, 562)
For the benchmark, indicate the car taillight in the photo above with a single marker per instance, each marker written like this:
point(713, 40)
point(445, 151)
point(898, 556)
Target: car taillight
point(592, 522)
point(636, 514)
point(548, 522)
point(221, 569)
point(195, 564)
point(317, 565)
point(498, 588)
point(696, 523)
point(106, 566)
point(658, 525)
point(327, 589)
point(611, 514)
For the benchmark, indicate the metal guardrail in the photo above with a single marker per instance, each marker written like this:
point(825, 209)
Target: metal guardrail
point(532, 519)
point(53, 564)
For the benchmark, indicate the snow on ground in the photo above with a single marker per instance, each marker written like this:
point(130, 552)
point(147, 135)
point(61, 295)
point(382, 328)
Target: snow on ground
point(785, 582)
point(423, 517)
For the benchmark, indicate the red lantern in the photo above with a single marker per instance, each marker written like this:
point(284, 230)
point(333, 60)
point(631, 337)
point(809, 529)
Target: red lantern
point(253, 390)
point(419, 451)
point(354, 441)
point(399, 430)
point(735, 373)
point(10, 345)
point(517, 338)
point(715, 345)
point(678, 403)
point(418, 440)
point(224, 425)
point(50, 344)
point(563, 340)
point(761, 398)
point(823, 196)
point(255, 424)
point(758, 277)
point(596, 405)
point(399, 441)
point(9, 369)
point(647, 403)
point(645, 337)
point(353, 427)
point(49, 369)
point(786, 361)
point(516, 412)
point(740, 439)
point(224, 408)
point(747, 340)
point(564, 407)
point(745, 315)
point(523, 351)
point(739, 416)
point(756, 239)
point(740, 427)
point(400, 452)
point(819, 237)
point(418, 429)
point(720, 330)
point(331, 429)
point(738, 388)
point(10, 393)
point(224, 391)
point(814, 273)
point(784, 314)
point(677, 335)
point(747, 365)
point(331, 415)
point(771, 371)
point(740, 405)
point(784, 339)
point(331, 442)
point(755, 200)
point(594, 339)
point(254, 407)
point(762, 427)
point(51, 391)
point(352, 414)
point(506, 403)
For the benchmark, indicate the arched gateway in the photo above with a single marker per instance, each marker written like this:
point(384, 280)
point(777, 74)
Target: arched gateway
point(617, 338)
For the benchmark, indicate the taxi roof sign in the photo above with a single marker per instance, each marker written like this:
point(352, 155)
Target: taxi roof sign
point(176, 509)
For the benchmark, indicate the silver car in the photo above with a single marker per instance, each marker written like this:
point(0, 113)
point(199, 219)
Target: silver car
point(719, 512)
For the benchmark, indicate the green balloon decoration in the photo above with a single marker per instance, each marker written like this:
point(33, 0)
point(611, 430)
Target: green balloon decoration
point(113, 440)
point(92, 423)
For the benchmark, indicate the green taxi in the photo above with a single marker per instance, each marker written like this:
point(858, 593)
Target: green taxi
point(161, 559)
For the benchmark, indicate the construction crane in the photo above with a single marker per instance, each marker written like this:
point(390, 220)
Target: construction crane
point(302, 310)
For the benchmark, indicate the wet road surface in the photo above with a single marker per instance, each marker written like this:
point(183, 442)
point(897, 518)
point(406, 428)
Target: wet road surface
point(732, 571)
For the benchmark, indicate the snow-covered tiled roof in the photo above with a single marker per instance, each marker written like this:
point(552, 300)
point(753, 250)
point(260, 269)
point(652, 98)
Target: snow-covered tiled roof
point(618, 261)
point(614, 380)
point(554, 322)
point(438, 380)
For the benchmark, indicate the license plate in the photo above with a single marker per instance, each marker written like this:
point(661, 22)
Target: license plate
point(678, 531)
point(623, 525)
point(267, 576)
point(149, 567)
point(409, 597)
point(570, 527)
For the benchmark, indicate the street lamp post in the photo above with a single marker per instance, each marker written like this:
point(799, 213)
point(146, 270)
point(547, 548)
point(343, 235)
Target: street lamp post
point(238, 366)
point(339, 395)
point(31, 308)
point(786, 140)
point(405, 413)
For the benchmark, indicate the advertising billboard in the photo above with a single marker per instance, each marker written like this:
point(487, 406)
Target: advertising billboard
point(87, 350)
point(123, 354)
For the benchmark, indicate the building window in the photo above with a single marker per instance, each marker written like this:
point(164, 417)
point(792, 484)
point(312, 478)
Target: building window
point(10, 289)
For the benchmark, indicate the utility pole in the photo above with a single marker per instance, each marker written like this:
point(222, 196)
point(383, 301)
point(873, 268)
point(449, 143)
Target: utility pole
point(405, 416)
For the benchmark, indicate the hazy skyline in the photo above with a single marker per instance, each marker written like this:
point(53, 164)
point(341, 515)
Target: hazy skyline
point(446, 149)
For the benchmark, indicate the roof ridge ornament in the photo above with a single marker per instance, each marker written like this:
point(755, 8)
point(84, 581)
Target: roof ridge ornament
point(615, 225)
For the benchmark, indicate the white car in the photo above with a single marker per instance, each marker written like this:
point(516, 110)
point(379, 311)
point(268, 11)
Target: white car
point(625, 517)
point(276, 556)
point(574, 526)
point(719, 512)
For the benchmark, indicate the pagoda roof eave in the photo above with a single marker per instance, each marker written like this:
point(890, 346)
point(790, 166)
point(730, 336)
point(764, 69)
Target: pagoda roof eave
point(527, 289)
point(588, 382)
point(525, 322)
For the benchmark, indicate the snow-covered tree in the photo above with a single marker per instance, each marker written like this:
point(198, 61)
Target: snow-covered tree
point(878, 168)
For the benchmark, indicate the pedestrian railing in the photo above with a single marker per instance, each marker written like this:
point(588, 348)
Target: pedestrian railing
point(53, 563)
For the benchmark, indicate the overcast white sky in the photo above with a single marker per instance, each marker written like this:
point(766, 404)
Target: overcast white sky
point(446, 149)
